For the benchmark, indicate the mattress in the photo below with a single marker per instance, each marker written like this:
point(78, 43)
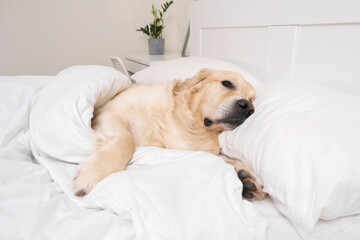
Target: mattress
point(37, 203)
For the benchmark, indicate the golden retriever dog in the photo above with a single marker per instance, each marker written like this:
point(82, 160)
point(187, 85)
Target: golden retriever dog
point(186, 115)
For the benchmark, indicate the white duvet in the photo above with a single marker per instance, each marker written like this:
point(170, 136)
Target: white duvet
point(166, 194)
point(163, 194)
point(174, 195)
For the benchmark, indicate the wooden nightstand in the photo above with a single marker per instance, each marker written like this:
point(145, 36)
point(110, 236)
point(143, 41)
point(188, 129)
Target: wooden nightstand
point(137, 62)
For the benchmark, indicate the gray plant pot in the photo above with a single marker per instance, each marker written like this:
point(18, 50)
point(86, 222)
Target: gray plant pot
point(156, 46)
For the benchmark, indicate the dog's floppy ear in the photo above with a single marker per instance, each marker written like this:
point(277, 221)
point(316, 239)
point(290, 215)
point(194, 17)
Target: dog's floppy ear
point(190, 82)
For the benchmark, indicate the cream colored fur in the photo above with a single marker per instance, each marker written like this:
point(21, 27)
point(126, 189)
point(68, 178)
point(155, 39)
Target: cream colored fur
point(169, 115)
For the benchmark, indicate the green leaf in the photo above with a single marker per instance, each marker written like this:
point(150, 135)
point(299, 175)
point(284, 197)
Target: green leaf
point(154, 29)
point(166, 5)
point(145, 30)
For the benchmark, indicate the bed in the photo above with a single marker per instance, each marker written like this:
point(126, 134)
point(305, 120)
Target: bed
point(302, 143)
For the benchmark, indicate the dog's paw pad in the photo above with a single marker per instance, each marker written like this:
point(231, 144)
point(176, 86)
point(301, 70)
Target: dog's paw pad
point(249, 186)
point(251, 189)
point(80, 193)
point(247, 195)
point(242, 174)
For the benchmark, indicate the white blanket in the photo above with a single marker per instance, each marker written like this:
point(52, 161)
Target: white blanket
point(168, 194)
point(32, 206)
point(162, 192)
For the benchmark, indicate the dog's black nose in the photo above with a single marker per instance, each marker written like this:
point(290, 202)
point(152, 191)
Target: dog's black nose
point(246, 106)
point(243, 103)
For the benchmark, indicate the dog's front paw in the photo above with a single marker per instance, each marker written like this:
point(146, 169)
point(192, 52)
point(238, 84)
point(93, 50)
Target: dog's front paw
point(83, 183)
point(252, 190)
point(86, 178)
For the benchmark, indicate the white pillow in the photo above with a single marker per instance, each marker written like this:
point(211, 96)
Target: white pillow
point(183, 68)
point(60, 118)
point(303, 143)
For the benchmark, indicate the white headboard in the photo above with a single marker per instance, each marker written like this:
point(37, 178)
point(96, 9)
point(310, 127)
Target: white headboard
point(290, 40)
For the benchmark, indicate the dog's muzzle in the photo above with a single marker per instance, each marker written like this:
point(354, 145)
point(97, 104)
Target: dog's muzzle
point(241, 110)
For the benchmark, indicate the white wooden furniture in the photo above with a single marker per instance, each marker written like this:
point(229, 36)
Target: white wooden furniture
point(139, 61)
point(316, 40)
point(119, 65)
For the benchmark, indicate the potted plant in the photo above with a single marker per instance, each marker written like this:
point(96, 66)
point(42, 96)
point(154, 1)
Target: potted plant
point(155, 28)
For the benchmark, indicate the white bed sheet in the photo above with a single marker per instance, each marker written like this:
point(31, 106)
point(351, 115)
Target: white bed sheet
point(33, 206)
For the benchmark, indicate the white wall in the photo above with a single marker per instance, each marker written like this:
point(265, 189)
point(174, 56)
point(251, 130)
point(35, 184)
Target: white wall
point(41, 37)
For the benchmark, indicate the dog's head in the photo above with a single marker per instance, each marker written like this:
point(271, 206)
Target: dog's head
point(221, 99)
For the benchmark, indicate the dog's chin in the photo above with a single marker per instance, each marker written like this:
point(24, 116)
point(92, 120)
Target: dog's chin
point(231, 122)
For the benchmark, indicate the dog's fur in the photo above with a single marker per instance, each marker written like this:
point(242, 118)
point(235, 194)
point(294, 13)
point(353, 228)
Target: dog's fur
point(185, 115)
